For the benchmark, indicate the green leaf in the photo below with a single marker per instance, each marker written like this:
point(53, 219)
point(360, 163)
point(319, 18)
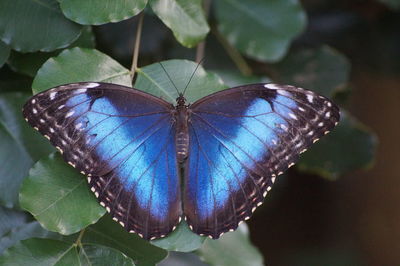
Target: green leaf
point(4, 53)
point(15, 163)
point(260, 29)
point(58, 197)
point(100, 255)
point(10, 114)
point(153, 79)
point(16, 226)
point(231, 249)
point(41, 252)
point(86, 39)
point(101, 12)
point(184, 17)
point(80, 64)
point(348, 147)
point(20, 147)
point(182, 239)
point(29, 63)
point(37, 251)
point(234, 78)
point(29, 26)
point(108, 233)
point(323, 70)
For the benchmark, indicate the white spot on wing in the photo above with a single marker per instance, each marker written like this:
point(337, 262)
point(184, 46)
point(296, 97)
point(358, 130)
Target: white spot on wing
point(272, 86)
point(69, 114)
point(53, 95)
point(293, 116)
point(327, 115)
point(92, 85)
point(310, 98)
point(34, 111)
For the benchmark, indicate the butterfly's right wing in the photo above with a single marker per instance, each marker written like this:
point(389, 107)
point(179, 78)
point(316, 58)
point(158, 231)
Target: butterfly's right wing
point(123, 140)
point(240, 140)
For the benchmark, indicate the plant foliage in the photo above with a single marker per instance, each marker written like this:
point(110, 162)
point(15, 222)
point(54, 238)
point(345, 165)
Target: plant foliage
point(57, 220)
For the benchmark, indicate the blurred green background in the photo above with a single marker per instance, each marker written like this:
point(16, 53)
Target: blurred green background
point(340, 205)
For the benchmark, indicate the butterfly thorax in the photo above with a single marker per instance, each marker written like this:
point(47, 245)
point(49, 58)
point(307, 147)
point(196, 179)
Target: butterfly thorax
point(182, 129)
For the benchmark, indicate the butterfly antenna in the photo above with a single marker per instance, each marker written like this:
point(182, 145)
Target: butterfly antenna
point(194, 72)
point(169, 78)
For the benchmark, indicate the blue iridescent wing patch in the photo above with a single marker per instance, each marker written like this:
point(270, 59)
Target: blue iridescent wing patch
point(123, 140)
point(241, 139)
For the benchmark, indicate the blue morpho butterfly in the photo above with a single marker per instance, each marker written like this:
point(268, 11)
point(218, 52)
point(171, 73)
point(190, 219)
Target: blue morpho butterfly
point(150, 163)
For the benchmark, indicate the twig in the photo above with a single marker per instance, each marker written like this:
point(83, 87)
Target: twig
point(136, 48)
point(200, 50)
point(234, 54)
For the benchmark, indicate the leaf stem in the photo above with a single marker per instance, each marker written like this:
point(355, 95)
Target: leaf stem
point(200, 50)
point(136, 48)
point(234, 54)
point(79, 239)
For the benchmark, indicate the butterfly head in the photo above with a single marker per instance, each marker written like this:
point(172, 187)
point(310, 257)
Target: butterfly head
point(180, 101)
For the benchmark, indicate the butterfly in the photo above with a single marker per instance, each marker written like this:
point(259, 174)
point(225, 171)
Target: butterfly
point(150, 163)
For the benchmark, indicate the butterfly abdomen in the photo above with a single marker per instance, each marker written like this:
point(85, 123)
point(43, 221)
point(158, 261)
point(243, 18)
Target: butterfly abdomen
point(182, 133)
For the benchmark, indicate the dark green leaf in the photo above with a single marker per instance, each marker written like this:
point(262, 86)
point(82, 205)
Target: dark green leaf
point(231, 249)
point(20, 147)
point(58, 197)
point(29, 63)
point(182, 239)
point(11, 115)
point(260, 29)
point(16, 226)
point(80, 64)
point(323, 70)
point(184, 17)
point(10, 221)
point(182, 259)
point(153, 79)
point(15, 163)
point(348, 147)
point(108, 233)
point(395, 4)
point(100, 12)
point(95, 255)
point(30, 26)
point(4, 53)
point(41, 252)
point(86, 39)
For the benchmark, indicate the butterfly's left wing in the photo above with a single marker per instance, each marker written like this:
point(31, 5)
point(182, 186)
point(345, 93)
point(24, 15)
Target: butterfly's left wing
point(240, 140)
point(123, 140)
